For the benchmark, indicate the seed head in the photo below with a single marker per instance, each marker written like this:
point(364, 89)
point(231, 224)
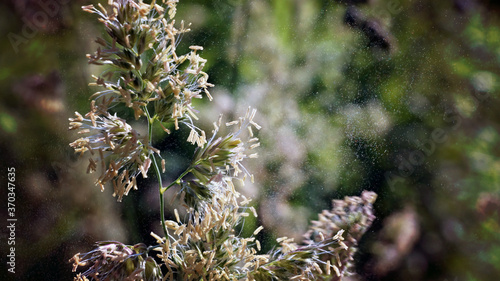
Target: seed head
point(112, 143)
point(141, 47)
point(115, 261)
point(220, 157)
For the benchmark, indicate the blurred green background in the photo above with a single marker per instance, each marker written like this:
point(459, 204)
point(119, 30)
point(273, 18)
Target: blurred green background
point(395, 96)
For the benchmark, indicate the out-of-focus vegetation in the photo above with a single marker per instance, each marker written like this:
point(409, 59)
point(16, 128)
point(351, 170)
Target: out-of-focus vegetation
point(398, 97)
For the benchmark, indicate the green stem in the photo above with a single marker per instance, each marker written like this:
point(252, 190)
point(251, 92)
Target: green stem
point(157, 172)
point(177, 181)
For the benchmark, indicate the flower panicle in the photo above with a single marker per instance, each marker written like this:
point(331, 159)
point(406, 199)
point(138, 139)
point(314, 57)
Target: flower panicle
point(351, 217)
point(300, 262)
point(114, 145)
point(220, 157)
point(142, 50)
point(206, 247)
point(112, 260)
